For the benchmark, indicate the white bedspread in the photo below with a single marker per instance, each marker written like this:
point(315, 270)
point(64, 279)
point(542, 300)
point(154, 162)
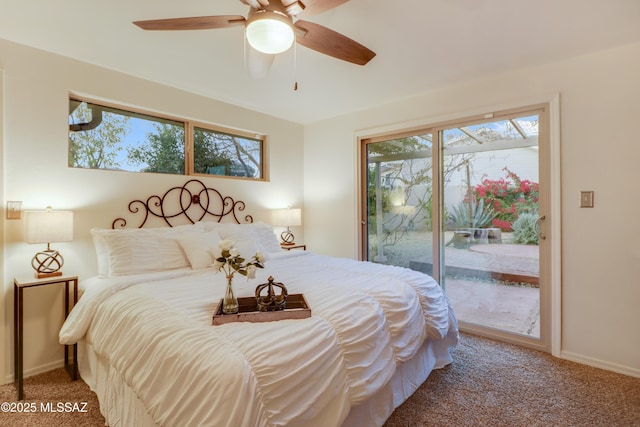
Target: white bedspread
point(156, 331)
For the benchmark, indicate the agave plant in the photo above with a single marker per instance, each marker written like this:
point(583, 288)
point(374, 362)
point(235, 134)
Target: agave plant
point(472, 214)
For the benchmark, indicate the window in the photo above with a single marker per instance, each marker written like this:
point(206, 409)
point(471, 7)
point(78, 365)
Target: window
point(222, 153)
point(112, 138)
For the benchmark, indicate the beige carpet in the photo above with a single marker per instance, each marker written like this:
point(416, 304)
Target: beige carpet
point(51, 387)
point(489, 384)
point(496, 384)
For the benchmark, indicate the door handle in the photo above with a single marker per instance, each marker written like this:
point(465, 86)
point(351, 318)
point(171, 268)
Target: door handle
point(536, 227)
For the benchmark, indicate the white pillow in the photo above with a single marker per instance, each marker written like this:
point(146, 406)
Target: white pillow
point(266, 238)
point(262, 234)
point(199, 248)
point(137, 250)
point(134, 253)
point(243, 238)
point(247, 249)
point(211, 225)
point(102, 251)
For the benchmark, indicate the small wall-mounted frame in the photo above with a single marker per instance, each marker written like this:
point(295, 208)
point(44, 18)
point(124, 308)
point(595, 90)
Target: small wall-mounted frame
point(14, 210)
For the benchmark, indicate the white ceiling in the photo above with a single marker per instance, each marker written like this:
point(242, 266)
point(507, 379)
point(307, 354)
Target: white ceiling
point(420, 45)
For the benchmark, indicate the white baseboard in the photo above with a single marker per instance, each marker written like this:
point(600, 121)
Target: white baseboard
point(602, 364)
point(35, 371)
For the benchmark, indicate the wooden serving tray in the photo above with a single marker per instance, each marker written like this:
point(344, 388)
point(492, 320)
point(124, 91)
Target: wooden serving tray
point(296, 308)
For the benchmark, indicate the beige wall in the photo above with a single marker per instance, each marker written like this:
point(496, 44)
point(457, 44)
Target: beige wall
point(599, 110)
point(36, 90)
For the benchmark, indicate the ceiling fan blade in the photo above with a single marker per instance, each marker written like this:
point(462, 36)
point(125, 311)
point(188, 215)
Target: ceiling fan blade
point(256, 4)
point(331, 43)
point(258, 64)
point(195, 23)
point(312, 7)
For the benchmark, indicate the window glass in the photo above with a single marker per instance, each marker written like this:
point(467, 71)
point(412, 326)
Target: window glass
point(220, 153)
point(107, 137)
point(497, 133)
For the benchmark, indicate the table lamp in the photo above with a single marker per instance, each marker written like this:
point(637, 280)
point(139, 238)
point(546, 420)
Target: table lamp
point(287, 218)
point(47, 227)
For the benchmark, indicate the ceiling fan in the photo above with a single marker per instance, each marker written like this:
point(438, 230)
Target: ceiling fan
point(273, 25)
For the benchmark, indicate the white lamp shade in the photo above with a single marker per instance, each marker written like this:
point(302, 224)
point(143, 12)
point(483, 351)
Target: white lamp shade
point(48, 226)
point(287, 217)
point(269, 34)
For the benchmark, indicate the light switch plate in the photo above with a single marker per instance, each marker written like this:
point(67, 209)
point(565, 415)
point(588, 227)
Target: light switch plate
point(14, 210)
point(586, 199)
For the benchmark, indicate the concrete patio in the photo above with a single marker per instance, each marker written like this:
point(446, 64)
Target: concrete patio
point(473, 284)
point(510, 308)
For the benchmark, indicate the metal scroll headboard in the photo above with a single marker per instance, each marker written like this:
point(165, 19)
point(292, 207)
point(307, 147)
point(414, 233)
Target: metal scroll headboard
point(193, 201)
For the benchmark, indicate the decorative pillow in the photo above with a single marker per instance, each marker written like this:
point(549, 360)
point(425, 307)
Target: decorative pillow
point(199, 248)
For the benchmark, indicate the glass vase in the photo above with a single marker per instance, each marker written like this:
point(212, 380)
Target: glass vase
point(230, 302)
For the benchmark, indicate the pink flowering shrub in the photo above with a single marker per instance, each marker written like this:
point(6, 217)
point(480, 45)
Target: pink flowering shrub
point(509, 197)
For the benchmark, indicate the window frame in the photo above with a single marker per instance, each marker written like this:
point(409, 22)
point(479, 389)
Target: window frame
point(189, 126)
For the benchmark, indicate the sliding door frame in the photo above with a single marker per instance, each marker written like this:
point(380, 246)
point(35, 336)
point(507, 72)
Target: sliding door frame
point(549, 168)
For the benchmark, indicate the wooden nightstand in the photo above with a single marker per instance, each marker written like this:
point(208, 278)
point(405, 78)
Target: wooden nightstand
point(19, 284)
point(295, 246)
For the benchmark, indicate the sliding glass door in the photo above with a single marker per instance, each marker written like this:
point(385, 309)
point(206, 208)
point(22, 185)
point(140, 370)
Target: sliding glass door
point(462, 202)
point(399, 189)
point(491, 242)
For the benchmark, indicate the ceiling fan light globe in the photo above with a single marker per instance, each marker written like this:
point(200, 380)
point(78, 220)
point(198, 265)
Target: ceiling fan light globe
point(269, 35)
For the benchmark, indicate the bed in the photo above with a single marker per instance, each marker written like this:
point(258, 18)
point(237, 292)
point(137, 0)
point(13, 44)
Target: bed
point(148, 349)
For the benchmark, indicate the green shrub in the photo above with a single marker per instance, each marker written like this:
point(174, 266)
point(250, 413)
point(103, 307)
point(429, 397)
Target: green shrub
point(524, 229)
